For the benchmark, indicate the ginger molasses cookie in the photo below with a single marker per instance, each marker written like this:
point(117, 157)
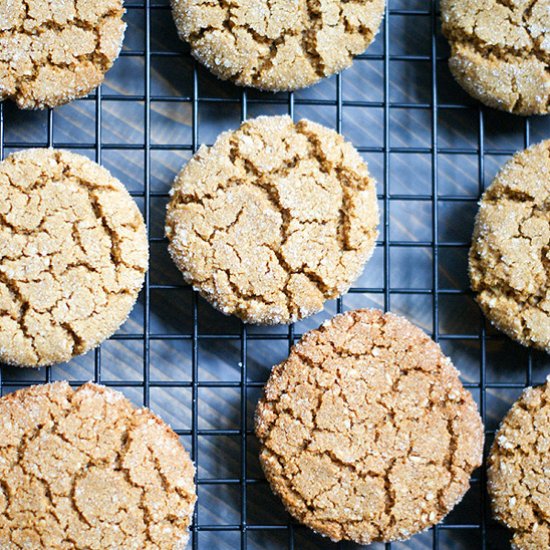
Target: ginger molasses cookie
point(510, 253)
point(518, 470)
point(73, 256)
point(273, 220)
point(53, 52)
point(85, 469)
point(366, 432)
point(500, 51)
point(277, 45)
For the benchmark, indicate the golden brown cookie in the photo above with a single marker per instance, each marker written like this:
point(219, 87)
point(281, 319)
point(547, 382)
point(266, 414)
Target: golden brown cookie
point(85, 469)
point(53, 52)
point(366, 432)
point(277, 45)
point(273, 220)
point(73, 256)
point(510, 253)
point(500, 51)
point(518, 470)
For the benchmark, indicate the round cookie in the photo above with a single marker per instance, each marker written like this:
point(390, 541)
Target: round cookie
point(277, 45)
point(73, 256)
point(86, 469)
point(273, 220)
point(510, 252)
point(53, 52)
point(366, 432)
point(518, 480)
point(500, 51)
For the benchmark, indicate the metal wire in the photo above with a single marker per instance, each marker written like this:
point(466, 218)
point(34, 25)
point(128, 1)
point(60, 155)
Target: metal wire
point(482, 530)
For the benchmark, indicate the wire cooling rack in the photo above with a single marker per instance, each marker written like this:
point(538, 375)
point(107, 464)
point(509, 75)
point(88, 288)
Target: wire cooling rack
point(431, 148)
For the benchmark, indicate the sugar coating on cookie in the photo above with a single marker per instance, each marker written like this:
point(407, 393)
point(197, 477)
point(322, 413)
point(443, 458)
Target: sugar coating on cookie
point(52, 52)
point(86, 469)
point(277, 45)
point(73, 256)
point(501, 51)
point(518, 470)
point(366, 432)
point(273, 220)
point(510, 252)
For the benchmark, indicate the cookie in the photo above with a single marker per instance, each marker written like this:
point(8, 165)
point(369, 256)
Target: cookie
point(518, 480)
point(73, 256)
point(510, 252)
point(500, 51)
point(366, 432)
point(53, 52)
point(277, 45)
point(86, 469)
point(273, 220)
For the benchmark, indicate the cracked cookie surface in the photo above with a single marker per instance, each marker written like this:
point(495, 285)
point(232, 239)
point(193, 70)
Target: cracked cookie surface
point(510, 252)
point(53, 52)
point(273, 220)
point(366, 432)
point(277, 45)
point(518, 480)
point(85, 469)
point(500, 51)
point(73, 256)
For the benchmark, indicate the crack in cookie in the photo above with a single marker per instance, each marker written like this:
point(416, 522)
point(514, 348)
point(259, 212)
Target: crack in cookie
point(366, 432)
point(73, 256)
point(500, 51)
point(52, 53)
point(277, 45)
point(508, 260)
point(273, 220)
point(86, 469)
